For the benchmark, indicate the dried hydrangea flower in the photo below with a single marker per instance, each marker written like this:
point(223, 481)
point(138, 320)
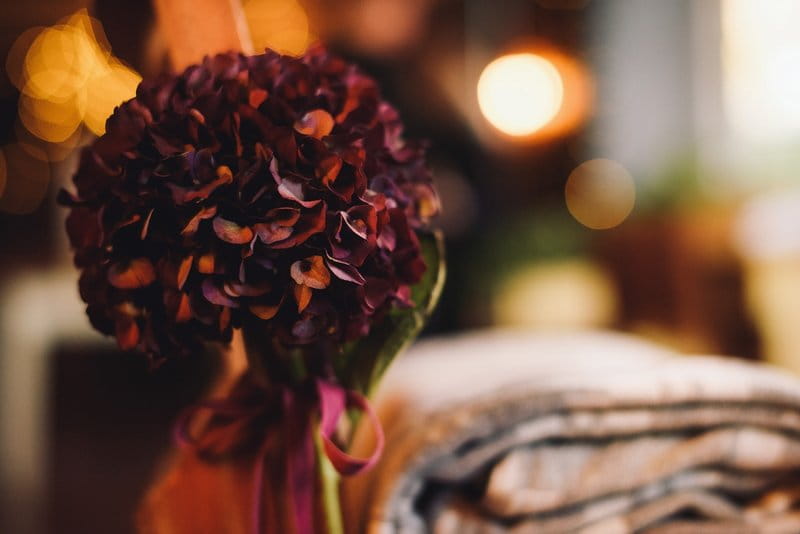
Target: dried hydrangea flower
point(264, 188)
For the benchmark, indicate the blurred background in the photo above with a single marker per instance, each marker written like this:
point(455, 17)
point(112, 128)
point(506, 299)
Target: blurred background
point(625, 164)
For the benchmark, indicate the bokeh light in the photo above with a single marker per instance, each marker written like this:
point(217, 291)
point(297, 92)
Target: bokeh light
point(50, 120)
point(281, 25)
point(569, 293)
point(60, 62)
point(600, 193)
point(67, 77)
point(52, 152)
point(69, 83)
point(388, 27)
point(520, 93)
point(111, 85)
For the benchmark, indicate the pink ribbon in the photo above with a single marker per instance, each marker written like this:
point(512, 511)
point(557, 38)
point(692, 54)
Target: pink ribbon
point(332, 401)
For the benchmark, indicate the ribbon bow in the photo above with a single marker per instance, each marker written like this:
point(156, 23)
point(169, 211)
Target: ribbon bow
point(331, 400)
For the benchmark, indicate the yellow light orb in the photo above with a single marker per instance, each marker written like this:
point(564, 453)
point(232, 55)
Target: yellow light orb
point(52, 121)
point(15, 60)
point(600, 193)
point(59, 62)
point(53, 152)
point(109, 88)
point(520, 93)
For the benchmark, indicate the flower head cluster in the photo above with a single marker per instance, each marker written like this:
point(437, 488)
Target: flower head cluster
point(265, 188)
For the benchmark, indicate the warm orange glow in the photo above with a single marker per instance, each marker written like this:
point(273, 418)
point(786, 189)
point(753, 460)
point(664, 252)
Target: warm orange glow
point(52, 121)
point(281, 25)
point(111, 85)
point(59, 63)
point(67, 79)
point(52, 152)
point(67, 76)
point(387, 27)
point(15, 60)
point(600, 193)
point(520, 93)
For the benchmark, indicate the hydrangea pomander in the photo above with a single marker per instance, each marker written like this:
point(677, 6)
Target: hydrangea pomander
point(269, 189)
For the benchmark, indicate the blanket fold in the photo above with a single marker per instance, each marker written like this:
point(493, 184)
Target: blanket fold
point(580, 432)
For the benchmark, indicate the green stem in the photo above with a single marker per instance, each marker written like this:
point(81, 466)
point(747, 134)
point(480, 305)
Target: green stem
point(329, 482)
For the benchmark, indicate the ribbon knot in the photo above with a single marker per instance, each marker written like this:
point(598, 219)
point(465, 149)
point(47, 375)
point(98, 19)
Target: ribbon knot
point(331, 401)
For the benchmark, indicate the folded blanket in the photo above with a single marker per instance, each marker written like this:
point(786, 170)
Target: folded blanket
point(591, 433)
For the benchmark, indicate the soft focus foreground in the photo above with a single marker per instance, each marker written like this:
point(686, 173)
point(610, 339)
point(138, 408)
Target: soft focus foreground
point(619, 164)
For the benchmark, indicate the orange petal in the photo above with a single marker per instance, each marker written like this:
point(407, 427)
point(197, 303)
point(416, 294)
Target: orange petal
point(329, 168)
point(224, 318)
point(196, 115)
point(183, 270)
point(224, 174)
point(311, 272)
point(264, 312)
point(231, 232)
point(127, 333)
point(257, 97)
point(206, 263)
point(184, 312)
point(194, 222)
point(137, 273)
point(316, 123)
point(302, 294)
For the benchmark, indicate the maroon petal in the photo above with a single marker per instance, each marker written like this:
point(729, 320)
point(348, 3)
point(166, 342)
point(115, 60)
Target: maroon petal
point(374, 199)
point(127, 333)
point(304, 330)
point(344, 271)
point(84, 228)
point(386, 238)
point(311, 222)
point(293, 190)
point(183, 195)
point(215, 295)
point(284, 216)
point(328, 169)
point(235, 289)
point(376, 291)
point(272, 232)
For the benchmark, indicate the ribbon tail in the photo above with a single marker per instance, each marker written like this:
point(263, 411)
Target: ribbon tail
point(258, 491)
point(333, 401)
point(300, 465)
